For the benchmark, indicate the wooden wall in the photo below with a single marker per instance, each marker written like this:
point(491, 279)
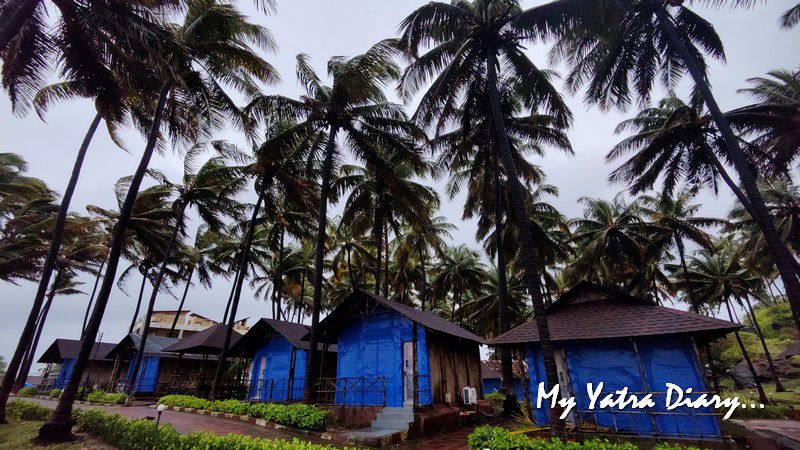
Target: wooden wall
point(455, 364)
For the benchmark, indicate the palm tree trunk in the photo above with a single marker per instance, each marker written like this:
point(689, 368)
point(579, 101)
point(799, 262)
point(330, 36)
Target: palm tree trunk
point(386, 259)
point(49, 263)
point(139, 355)
point(233, 290)
point(279, 277)
point(506, 369)
point(139, 301)
point(682, 255)
point(16, 19)
point(237, 293)
point(527, 248)
point(378, 231)
point(28, 361)
point(424, 279)
point(180, 306)
point(91, 298)
point(59, 427)
point(762, 396)
point(712, 368)
point(784, 261)
point(349, 270)
point(312, 359)
point(752, 314)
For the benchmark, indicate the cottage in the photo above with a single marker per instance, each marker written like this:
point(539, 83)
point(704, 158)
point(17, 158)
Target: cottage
point(65, 352)
point(156, 362)
point(394, 355)
point(278, 354)
point(492, 378)
point(601, 335)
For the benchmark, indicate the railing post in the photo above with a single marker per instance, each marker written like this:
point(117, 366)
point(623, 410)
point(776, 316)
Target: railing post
point(271, 388)
point(345, 390)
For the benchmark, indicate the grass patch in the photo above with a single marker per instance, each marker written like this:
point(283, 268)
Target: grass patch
point(19, 434)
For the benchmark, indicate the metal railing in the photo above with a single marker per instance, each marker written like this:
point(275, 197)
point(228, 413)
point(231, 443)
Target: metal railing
point(352, 391)
point(276, 390)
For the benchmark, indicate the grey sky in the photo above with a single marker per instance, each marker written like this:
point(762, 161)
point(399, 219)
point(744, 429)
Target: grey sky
point(325, 28)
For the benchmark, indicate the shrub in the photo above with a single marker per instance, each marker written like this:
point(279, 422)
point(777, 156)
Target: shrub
point(771, 411)
point(27, 391)
point(26, 410)
point(107, 398)
point(55, 393)
point(139, 434)
point(497, 438)
point(299, 416)
point(496, 399)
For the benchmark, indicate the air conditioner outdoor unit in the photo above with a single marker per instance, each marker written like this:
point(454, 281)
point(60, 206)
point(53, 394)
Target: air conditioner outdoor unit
point(470, 395)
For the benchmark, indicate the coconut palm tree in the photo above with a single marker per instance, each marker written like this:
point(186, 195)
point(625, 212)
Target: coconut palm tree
point(783, 200)
point(194, 260)
point(211, 189)
point(190, 71)
point(459, 278)
point(469, 40)
point(716, 278)
point(480, 313)
point(791, 17)
point(351, 253)
point(355, 107)
point(621, 49)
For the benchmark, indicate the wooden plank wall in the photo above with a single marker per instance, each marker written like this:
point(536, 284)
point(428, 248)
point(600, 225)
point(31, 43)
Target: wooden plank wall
point(455, 364)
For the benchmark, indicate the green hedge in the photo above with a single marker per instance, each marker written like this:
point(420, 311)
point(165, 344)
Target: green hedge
point(497, 438)
point(26, 410)
point(55, 393)
point(27, 391)
point(106, 397)
point(140, 434)
point(299, 416)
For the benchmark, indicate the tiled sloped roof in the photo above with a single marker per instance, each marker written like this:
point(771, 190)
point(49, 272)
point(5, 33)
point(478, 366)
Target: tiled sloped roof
point(62, 349)
point(210, 340)
point(490, 368)
point(424, 318)
point(611, 317)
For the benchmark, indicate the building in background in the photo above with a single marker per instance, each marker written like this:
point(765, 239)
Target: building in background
point(188, 324)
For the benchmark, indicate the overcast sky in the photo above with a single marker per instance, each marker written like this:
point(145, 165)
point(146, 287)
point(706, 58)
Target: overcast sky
point(324, 28)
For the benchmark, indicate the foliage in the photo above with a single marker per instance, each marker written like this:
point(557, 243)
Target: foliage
point(27, 391)
point(497, 438)
point(15, 435)
point(55, 393)
point(99, 396)
point(774, 319)
point(26, 410)
point(496, 399)
point(140, 434)
point(299, 416)
point(771, 411)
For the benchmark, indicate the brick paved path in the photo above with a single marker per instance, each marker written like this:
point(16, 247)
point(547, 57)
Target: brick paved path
point(187, 423)
point(456, 440)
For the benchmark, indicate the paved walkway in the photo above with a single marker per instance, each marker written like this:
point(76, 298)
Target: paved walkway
point(456, 440)
point(186, 422)
point(786, 432)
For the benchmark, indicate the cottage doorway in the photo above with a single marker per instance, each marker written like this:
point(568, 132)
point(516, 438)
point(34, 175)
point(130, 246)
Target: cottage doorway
point(408, 374)
point(564, 382)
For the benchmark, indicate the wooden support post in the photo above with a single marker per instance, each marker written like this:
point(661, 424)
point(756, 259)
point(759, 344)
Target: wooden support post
point(414, 371)
point(290, 383)
point(645, 385)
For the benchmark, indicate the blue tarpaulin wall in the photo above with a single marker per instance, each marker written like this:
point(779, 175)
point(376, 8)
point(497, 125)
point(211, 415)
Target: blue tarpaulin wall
point(271, 383)
point(147, 379)
point(64, 373)
point(493, 385)
point(615, 363)
point(370, 347)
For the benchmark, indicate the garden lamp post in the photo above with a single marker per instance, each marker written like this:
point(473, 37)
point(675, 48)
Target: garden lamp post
point(160, 410)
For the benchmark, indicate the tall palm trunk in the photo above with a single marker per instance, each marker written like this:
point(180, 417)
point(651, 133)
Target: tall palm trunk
point(527, 250)
point(279, 277)
point(22, 11)
point(236, 275)
point(762, 396)
point(506, 369)
point(139, 300)
point(59, 427)
point(245, 260)
point(180, 306)
point(682, 255)
point(312, 359)
point(91, 298)
point(386, 259)
point(424, 289)
point(138, 357)
point(378, 232)
point(752, 314)
point(28, 361)
point(47, 268)
point(349, 270)
point(784, 261)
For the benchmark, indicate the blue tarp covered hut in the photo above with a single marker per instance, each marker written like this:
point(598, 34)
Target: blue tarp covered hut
point(278, 356)
point(378, 348)
point(492, 378)
point(147, 380)
point(601, 335)
point(65, 352)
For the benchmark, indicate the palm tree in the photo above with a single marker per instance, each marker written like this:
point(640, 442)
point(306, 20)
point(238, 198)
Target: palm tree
point(469, 41)
point(716, 278)
point(459, 277)
point(676, 217)
point(194, 260)
point(197, 62)
point(211, 189)
point(355, 106)
point(382, 195)
point(612, 240)
point(791, 17)
point(481, 312)
point(638, 40)
point(351, 253)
